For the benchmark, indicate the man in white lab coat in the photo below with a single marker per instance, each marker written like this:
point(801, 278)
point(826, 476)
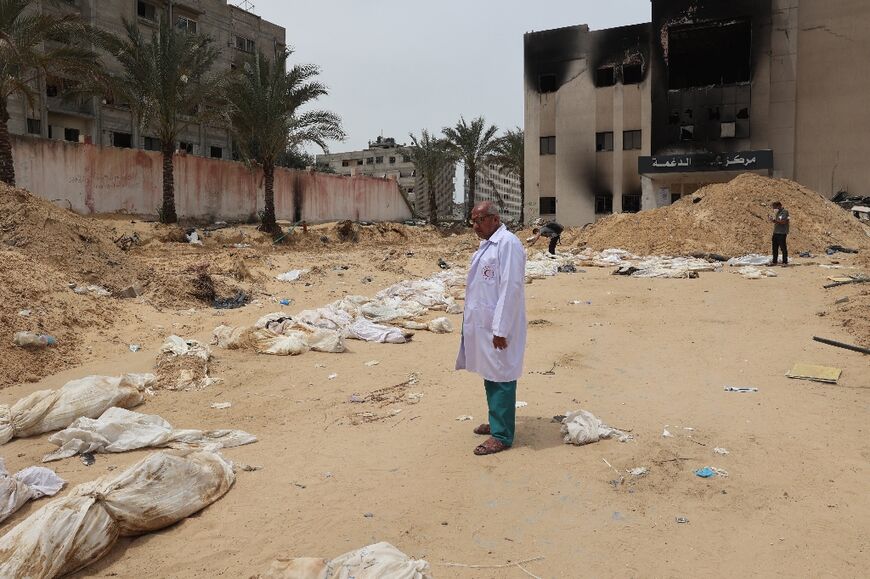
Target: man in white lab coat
point(494, 324)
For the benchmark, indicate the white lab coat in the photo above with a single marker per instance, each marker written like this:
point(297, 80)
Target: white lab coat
point(495, 304)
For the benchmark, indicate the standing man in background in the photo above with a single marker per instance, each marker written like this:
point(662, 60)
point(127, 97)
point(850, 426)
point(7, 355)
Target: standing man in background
point(780, 220)
point(494, 324)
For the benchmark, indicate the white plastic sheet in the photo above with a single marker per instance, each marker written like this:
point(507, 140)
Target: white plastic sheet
point(751, 259)
point(183, 364)
point(71, 532)
point(581, 427)
point(28, 484)
point(120, 430)
point(378, 561)
point(48, 410)
point(292, 275)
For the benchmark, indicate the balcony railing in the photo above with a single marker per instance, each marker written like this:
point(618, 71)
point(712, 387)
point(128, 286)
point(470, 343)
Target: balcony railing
point(76, 106)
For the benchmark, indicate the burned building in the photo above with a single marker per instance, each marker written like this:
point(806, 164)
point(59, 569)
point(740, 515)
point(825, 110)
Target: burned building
point(634, 117)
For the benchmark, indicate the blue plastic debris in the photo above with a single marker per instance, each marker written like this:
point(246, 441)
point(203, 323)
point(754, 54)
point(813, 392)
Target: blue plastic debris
point(705, 472)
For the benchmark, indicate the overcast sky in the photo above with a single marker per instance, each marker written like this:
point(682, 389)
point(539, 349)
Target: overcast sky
point(394, 67)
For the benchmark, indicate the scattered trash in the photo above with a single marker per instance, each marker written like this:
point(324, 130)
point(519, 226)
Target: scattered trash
point(88, 459)
point(639, 471)
point(237, 301)
point(73, 531)
point(464, 418)
point(842, 345)
point(285, 302)
point(368, 515)
point(378, 560)
point(567, 268)
point(241, 245)
point(842, 301)
point(750, 272)
point(129, 292)
point(578, 302)
point(667, 434)
point(332, 376)
point(32, 340)
point(221, 405)
point(681, 520)
point(815, 373)
point(710, 472)
point(320, 365)
point(29, 484)
point(521, 404)
point(582, 427)
point(371, 363)
point(740, 389)
point(805, 254)
point(832, 249)
point(443, 264)
point(135, 347)
point(440, 326)
point(356, 399)
point(719, 450)
point(183, 365)
point(192, 237)
point(292, 275)
point(413, 397)
point(250, 467)
point(367, 279)
point(24, 313)
point(751, 259)
point(93, 290)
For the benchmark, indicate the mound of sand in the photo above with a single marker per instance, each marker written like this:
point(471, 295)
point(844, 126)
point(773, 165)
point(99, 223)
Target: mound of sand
point(731, 219)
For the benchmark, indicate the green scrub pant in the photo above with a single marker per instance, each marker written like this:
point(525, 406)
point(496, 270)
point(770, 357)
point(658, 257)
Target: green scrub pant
point(501, 397)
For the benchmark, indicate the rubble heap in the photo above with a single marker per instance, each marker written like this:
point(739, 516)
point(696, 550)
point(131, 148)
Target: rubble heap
point(731, 219)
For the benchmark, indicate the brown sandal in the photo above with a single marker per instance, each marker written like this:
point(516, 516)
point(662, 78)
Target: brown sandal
point(490, 446)
point(482, 429)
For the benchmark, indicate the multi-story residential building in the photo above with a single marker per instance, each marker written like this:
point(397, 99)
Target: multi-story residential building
point(502, 187)
point(236, 32)
point(632, 118)
point(387, 159)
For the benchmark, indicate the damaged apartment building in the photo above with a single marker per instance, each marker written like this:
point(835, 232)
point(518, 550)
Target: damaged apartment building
point(237, 33)
point(635, 117)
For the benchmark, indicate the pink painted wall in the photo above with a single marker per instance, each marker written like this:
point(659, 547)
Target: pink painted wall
point(92, 179)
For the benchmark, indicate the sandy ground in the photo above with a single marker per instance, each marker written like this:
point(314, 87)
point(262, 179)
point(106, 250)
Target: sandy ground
point(644, 354)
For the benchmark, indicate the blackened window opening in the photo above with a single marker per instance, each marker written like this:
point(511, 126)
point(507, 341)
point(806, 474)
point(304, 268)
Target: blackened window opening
point(604, 203)
point(715, 53)
point(548, 206)
point(631, 203)
point(547, 83)
point(605, 76)
point(632, 74)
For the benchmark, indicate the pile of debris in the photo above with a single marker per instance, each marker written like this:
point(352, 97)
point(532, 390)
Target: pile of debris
point(731, 219)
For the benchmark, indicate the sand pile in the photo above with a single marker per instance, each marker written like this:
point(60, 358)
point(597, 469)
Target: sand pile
point(35, 298)
point(731, 219)
point(80, 248)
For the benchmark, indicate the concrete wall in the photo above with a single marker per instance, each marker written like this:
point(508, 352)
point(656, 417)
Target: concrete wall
point(833, 81)
point(93, 179)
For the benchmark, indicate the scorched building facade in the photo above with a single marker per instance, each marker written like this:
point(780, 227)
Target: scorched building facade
point(635, 117)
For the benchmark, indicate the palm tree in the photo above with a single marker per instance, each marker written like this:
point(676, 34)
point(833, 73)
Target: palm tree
point(266, 119)
point(33, 44)
point(509, 156)
point(472, 143)
point(167, 84)
point(430, 156)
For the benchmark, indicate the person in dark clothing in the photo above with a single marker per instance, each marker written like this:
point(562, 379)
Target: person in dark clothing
point(551, 230)
point(780, 220)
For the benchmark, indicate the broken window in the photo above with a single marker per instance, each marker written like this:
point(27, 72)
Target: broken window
point(151, 144)
point(675, 197)
point(34, 126)
point(186, 24)
point(632, 74)
point(392, 160)
point(716, 53)
point(124, 140)
point(631, 203)
point(605, 76)
point(743, 113)
point(687, 133)
point(345, 163)
point(631, 140)
point(603, 203)
point(146, 11)
point(185, 146)
point(548, 206)
point(71, 135)
point(53, 86)
point(604, 141)
point(245, 44)
point(548, 145)
point(547, 83)
point(216, 152)
point(379, 160)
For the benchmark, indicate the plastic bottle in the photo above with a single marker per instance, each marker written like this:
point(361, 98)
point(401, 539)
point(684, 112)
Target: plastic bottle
point(31, 340)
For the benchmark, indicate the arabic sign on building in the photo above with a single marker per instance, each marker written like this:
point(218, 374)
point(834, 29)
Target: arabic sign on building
point(693, 162)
